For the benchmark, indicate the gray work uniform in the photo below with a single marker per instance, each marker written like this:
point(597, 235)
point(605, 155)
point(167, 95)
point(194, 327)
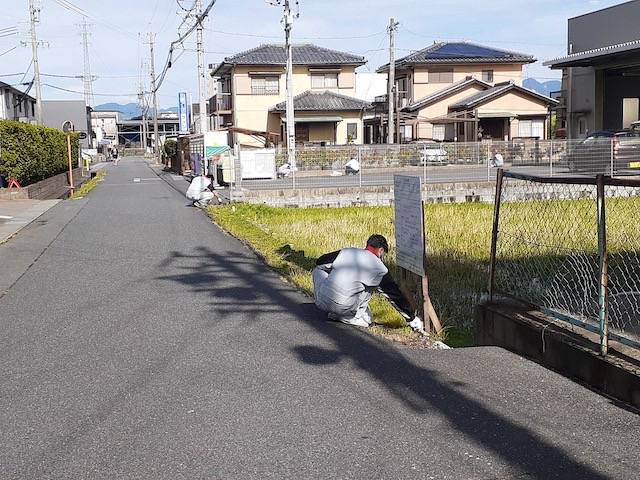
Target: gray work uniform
point(344, 288)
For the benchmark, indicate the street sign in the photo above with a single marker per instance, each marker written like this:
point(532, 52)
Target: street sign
point(68, 126)
point(409, 223)
point(83, 135)
point(183, 113)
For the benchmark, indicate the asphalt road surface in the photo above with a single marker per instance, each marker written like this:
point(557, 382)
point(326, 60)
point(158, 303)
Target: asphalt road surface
point(140, 342)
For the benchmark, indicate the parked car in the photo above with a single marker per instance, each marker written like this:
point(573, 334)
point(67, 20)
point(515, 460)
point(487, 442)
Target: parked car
point(597, 152)
point(431, 153)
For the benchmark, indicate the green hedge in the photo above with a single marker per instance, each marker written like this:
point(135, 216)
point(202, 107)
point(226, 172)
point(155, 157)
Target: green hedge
point(32, 153)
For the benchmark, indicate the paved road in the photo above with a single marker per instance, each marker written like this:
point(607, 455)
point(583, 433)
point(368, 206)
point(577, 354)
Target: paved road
point(146, 344)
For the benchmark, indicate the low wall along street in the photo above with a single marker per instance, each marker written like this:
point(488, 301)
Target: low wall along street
point(49, 189)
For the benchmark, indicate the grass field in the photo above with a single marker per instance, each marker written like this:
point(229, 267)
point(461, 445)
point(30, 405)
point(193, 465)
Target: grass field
point(458, 250)
point(547, 249)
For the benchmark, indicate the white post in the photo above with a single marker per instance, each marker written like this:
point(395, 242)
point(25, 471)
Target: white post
point(34, 12)
point(156, 136)
point(360, 171)
point(290, 112)
point(202, 85)
point(393, 25)
point(612, 156)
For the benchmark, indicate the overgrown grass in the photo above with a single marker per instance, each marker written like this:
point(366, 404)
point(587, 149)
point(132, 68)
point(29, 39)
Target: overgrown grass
point(537, 239)
point(290, 240)
point(89, 185)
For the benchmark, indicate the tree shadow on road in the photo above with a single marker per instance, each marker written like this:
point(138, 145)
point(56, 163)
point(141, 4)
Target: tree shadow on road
point(258, 294)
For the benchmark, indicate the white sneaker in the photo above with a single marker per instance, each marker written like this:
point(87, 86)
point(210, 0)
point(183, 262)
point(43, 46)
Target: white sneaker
point(355, 321)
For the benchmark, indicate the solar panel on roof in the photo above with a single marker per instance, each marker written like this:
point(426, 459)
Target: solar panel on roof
point(465, 50)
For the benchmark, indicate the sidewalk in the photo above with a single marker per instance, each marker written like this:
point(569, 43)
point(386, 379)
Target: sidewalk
point(17, 214)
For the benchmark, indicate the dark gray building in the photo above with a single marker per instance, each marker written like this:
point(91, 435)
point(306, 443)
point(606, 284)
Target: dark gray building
point(56, 112)
point(601, 71)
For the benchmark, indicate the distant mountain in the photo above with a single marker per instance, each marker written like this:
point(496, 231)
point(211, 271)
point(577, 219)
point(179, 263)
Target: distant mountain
point(128, 110)
point(544, 88)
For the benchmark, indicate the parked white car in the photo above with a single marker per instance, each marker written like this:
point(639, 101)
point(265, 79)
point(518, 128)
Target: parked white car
point(432, 153)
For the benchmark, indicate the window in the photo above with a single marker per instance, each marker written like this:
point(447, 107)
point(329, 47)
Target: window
point(352, 131)
point(441, 76)
point(487, 76)
point(265, 85)
point(531, 128)
point(406, 133)
point(324, 80)
point(33, 109)
point(438, 132)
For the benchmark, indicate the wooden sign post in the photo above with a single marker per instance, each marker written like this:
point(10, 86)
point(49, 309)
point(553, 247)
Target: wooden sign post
point(410, 244)
point(67, 128)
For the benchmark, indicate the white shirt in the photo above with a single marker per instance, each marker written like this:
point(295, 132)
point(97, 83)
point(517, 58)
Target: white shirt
point(198, 185)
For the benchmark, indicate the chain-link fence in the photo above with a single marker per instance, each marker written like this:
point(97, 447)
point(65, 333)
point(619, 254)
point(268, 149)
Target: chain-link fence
point(571, 246)
point(457, 162)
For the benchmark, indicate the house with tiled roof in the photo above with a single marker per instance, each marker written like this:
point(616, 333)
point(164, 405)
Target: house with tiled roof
point(440, 96)
point(251, 95)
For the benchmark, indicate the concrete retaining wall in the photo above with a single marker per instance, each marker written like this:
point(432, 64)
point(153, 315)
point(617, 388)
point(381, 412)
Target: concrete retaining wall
point(536, 336)
point(379, 195)
point(48, 189)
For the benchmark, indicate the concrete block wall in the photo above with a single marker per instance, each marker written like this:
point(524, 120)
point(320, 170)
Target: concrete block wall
point(48, 189)
point(374, 196)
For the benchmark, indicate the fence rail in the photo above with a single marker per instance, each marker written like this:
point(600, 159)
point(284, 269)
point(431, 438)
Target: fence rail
point(572, 247)
point(326, 166)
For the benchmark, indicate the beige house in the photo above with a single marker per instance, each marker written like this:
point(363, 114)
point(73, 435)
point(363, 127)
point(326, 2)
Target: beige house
point(251, 95)
point(462, 92)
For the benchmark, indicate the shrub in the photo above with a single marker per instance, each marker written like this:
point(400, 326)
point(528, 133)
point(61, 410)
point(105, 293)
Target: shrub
point(170, 148)
point(31, 153)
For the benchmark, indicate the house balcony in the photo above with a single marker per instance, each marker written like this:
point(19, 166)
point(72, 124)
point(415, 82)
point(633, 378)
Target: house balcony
point(221, 103)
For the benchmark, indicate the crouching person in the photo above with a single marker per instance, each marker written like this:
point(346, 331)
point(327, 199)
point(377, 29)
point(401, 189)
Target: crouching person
point(199, 191)
point(344, 282)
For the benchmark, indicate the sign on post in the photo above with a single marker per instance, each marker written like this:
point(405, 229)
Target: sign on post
point(410, 239)
point(409, 222)
point(183, 113)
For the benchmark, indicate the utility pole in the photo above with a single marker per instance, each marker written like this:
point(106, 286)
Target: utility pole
point(143, 113)
point(393, 26)
point(287, 21)
point(156, 139)
point(202, 82)
point(34, 13)
point(86, 76)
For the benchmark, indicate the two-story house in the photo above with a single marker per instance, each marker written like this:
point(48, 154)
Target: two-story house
point(16, 105)
point(251, 95)
point(465, 92)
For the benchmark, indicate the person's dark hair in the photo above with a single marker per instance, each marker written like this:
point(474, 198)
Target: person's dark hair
point(378, 241)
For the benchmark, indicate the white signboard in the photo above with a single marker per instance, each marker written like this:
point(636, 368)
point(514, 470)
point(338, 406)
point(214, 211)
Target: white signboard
point(409, 222)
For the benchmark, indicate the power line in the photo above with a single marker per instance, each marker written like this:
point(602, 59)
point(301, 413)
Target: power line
point(75, 9)
point(173, 45)
point(255, 35)
point(8, 51)
point(484, 41)
point(95, 94)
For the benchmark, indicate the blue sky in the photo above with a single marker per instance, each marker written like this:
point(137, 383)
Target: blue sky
point(537, 27)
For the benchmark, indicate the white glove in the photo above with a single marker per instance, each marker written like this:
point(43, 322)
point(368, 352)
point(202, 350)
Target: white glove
point(417, 325)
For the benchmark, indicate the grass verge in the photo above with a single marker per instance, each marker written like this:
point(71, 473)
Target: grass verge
point(89, 185)
point(290, 240)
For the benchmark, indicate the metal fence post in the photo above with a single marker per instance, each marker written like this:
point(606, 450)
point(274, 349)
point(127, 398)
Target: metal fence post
point(360, 171)
point(494, 233)
point(551, 158)
point(423, 158)
point(612, 155)
point(603, 291)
